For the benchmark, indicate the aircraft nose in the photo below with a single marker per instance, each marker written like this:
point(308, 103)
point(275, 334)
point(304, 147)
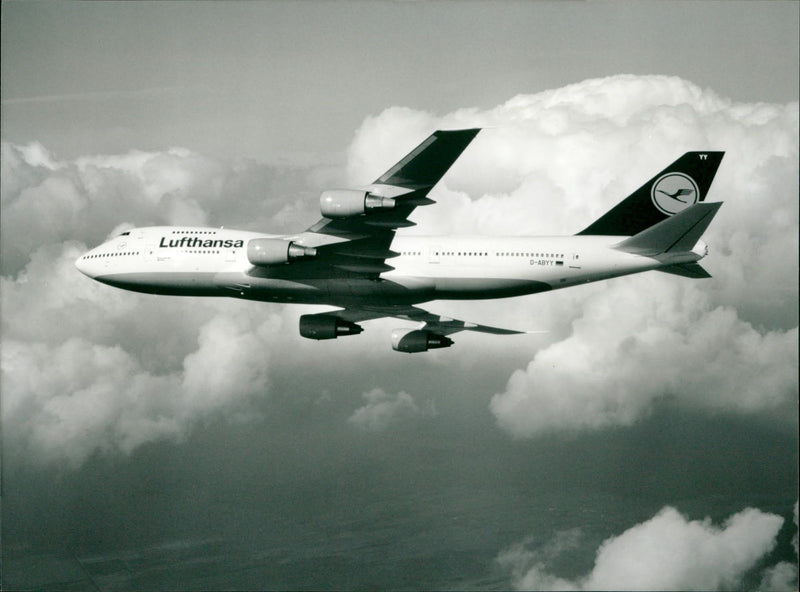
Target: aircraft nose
point(82, 263)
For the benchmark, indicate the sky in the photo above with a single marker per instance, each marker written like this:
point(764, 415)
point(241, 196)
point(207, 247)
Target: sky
point(647, 440)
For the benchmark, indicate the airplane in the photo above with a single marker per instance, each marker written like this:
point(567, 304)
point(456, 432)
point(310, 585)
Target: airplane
point(358, 259)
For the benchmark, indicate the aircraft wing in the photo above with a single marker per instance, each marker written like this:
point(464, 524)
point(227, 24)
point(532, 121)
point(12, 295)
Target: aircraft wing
point(431, 322)
point(360, 243)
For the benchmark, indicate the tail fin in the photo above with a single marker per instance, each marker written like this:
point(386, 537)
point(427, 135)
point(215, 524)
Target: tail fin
point(678, 234)
point(683, 183)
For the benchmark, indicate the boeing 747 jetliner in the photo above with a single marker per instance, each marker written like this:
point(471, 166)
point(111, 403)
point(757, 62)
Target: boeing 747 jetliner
point(357, 258)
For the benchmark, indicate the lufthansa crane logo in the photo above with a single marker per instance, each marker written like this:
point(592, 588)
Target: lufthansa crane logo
point(674, 192)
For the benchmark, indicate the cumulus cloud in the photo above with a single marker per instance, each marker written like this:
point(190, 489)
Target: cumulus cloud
point(550, 164)
point(780, 578)
point(783, 576)
point(88, 369)
point(78, 397)
point(615, 367)
point(69, 400)
point(46, 200)
point(382, 409)
point(553, 162)
point(667, 552)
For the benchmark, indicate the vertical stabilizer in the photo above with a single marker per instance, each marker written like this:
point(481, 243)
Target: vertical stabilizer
point(682, 184)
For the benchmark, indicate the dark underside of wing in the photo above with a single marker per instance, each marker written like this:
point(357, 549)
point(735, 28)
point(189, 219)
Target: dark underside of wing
point(433, 322)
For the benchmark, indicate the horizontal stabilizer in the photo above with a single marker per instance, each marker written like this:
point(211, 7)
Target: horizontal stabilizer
point(677, 234)
point(690, 270)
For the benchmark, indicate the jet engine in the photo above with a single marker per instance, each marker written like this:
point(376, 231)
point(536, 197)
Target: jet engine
point(276, 251)
point(418, 341)
point(344, 203)
point(320, 327)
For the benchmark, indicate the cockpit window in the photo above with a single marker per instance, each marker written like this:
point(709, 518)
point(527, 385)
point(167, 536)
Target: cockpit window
point(125, 233)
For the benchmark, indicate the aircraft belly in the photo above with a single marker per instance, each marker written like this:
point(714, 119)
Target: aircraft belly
point(454, 288)
point(615, 265)
point(380, 292)
point(164, 282)
point(340, 291)
point(272, 289)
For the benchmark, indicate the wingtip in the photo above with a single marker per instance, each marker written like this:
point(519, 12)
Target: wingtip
point(464, 131)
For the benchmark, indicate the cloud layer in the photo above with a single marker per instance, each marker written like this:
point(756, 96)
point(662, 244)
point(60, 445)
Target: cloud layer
point(86, 368)
point(381, 409)
point(89, 369)
point(667, 552)
point(48, 201)
point(67, 400)
point(555, 161)
point(638, 342)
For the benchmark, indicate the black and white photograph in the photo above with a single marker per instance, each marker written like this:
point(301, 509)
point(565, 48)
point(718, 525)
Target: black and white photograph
point(399, 295)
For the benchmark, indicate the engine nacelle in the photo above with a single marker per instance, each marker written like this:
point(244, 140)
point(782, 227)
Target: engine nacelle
point(418, 341)
point(319, 327)
point(276, 251)
point(344, 203)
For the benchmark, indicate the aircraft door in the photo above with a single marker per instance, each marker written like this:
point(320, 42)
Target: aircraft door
point(433, 254)
point(149, 252)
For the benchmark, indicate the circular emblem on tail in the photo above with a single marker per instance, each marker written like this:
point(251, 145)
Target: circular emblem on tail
point(674, 192)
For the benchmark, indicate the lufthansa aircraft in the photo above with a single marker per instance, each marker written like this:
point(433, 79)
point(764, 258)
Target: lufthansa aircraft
point(354, 258)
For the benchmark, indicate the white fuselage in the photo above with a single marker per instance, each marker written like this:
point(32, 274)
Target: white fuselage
point(213, 262)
